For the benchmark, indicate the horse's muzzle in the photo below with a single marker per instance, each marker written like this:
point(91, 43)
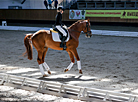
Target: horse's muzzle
point(88, 34)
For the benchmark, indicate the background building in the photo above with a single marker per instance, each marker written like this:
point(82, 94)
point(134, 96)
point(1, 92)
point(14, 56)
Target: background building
point(25, 4)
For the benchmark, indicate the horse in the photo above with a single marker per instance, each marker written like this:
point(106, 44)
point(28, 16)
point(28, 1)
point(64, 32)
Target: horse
point(42, 40)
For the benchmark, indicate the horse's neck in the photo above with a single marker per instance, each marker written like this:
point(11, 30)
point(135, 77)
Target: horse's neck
point(75, 31)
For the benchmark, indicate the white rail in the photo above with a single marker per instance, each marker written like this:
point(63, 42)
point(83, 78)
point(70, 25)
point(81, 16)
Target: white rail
point(64, 90)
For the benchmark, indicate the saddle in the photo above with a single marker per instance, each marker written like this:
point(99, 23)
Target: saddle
point(57, 36)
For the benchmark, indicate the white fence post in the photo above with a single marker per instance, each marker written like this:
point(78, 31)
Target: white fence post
point(4, 23)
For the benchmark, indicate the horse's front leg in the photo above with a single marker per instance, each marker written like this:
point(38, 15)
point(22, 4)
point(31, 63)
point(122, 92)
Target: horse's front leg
point(75, 53)
point(72, 61)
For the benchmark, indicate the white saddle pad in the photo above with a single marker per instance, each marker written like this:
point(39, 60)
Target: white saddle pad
point(55, 36)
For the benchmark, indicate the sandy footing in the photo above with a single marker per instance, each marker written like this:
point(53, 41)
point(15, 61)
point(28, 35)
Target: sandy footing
point(107, 62)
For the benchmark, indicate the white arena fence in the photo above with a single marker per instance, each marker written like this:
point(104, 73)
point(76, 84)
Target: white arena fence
point(64, 90)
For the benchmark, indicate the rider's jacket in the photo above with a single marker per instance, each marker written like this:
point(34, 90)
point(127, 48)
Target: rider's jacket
point(59, 19)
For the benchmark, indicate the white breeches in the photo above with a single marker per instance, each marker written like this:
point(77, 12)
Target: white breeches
point(61, 30)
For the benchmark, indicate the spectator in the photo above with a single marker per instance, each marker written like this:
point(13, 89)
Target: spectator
point(46, 5)
point(56, 3)
point(50, 2)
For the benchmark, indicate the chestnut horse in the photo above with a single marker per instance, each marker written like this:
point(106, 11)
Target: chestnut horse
point(42, 40)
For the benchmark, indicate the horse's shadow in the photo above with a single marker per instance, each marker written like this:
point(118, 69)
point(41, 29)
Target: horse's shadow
point(67, 79)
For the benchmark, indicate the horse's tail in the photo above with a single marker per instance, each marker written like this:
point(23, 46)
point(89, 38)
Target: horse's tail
point(28, 45)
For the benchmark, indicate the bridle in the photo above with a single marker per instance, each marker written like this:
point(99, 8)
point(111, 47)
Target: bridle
point(87, 25)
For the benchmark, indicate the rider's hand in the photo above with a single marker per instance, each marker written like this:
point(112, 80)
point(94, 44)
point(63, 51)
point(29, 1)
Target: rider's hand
point(65, 27)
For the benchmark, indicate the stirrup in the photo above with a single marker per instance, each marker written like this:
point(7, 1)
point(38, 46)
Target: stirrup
point(63, 45)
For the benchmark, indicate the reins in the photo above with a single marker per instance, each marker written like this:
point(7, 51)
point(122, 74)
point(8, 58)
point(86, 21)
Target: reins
point(75, 31)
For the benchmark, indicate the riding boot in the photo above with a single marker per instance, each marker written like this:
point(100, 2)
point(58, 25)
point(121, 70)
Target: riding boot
point(63, 43)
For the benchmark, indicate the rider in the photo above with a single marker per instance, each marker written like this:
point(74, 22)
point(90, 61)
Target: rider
point(61, 27)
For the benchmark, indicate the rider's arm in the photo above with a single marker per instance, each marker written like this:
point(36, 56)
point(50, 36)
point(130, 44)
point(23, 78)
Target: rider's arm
point(60, 19)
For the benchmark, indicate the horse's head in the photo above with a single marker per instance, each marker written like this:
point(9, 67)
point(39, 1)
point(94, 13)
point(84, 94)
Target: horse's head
point(86, 28)
point(81, 25)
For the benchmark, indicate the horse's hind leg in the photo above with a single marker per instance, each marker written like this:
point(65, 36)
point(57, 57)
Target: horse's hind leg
point(40, 62)
point(72, 62)
point(45, 64)
point(74, 51)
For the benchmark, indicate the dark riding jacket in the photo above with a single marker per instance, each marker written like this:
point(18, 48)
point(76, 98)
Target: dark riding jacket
point(59, 19)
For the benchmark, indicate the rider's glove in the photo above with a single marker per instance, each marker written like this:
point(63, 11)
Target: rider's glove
point(65, 27)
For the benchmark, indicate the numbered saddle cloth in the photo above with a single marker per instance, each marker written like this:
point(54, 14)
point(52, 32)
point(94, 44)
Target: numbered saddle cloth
point(56, 36)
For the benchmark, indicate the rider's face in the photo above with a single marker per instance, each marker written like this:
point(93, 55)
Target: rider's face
point(61, 11)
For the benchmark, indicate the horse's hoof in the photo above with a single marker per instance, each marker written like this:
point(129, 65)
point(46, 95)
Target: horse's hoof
point(49, 72)
point(66, 70)
point(80, 71)
point(44, 75)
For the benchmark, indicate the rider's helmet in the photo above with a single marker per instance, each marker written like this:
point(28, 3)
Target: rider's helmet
point(60, 7)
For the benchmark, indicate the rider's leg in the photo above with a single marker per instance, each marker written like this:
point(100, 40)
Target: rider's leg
point(62, 45)
point(61, 30)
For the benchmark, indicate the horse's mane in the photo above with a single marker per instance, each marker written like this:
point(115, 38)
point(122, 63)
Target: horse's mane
point(75, 23)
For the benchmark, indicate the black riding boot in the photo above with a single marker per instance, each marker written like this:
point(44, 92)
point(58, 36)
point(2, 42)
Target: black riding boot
point(63, 43)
